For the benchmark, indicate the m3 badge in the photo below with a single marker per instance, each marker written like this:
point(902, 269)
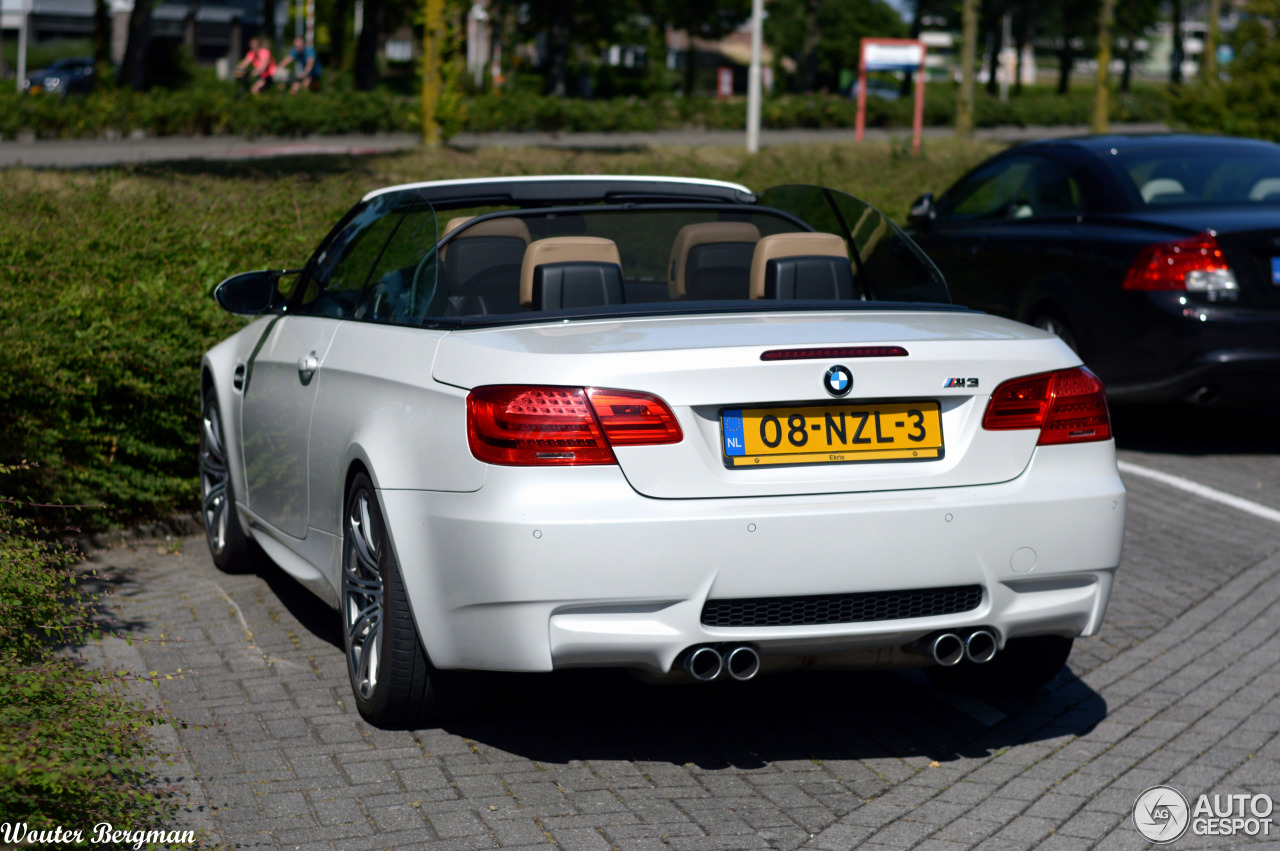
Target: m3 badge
point(960, 382)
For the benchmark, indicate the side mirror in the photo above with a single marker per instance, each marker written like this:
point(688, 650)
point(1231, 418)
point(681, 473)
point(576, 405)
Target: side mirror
point(922, 211)
point(251, 293)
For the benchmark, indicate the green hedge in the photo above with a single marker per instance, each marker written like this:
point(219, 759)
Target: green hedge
point(214, 109)
point(74, 750)
point(203, 111)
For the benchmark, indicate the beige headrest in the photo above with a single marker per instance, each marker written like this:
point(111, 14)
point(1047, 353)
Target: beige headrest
point(563, 249)
point(506, 226)
point(792, 245)
point(701, 234)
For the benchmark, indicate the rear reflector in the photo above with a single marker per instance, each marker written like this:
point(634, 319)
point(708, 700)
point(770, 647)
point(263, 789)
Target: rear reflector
point(1068, 406)
point(1194, 265)
point(566, 426)
point(835, 352)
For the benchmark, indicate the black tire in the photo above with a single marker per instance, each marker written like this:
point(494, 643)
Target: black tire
point(232, 550)
point(1054, 323)
point(393, 682)
point(1025, 664)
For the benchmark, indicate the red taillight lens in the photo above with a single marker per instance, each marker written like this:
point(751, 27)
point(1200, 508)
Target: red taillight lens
point(533, 426)
point(634, 419)
point(1068, 406)
point(1195, 264)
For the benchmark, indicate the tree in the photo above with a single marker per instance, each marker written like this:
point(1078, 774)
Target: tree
point(366, 66)
point(133, 71)
point(964, 98)
point(101, 37)
point(1175, 60)
point(1133, 19)
point(1209, 59)
point(709, 19)
point(1247, 101)
point(1106, 18)
point(825, 36)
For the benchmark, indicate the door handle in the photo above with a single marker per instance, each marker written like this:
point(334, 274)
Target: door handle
point(237, 380)
point(307, 367)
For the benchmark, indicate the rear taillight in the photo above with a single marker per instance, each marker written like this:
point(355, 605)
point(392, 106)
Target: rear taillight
point(530, 426)
point(1068, 406)
point(1194, 265)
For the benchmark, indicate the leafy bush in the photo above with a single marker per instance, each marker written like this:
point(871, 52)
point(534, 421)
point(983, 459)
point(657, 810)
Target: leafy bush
point(73, 750)
point(1247, 102)
point(213, 108)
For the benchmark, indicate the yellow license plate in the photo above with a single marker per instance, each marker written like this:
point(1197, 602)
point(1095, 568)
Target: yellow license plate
point(831, 434)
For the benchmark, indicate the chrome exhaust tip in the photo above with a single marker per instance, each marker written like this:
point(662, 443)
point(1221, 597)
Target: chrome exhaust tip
point(742, 663)
point(704, 664)
point(980, 646)
point(947, 649)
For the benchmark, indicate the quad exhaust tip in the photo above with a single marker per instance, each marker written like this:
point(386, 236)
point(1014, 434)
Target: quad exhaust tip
point(947, 649)
point(980, 646)
point(704, 664)
point(740, 662)
point(743, 663)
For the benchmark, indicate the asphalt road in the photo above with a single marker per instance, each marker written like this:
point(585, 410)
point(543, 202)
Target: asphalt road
point(1181, 687)
point(88, 153)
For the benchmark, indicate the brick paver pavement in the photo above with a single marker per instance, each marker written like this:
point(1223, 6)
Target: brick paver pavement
point(1182, 687)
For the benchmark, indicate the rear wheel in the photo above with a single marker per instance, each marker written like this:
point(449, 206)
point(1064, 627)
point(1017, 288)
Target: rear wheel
point(393, 682)
point(1024, 664)
point(232, 550)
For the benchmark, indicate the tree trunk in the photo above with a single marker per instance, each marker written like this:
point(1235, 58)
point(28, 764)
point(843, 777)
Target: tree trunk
point(1022, 35)
point(1175, 60)
point(367, 48)
point(1102, 85)
point(964, 98)
point(101, 33)
point(269, 22)
point(908, 79)
point(339, 21)
point(995, 39)
point(559, 42)
point(133, 71)
point(1066, 60)
point(809, 47)
point(1128, 63)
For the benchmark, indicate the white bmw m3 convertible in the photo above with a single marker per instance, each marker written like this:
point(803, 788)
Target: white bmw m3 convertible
point(671, 425)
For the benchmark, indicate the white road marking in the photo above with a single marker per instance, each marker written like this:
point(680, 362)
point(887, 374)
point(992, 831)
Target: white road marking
point(1203, 491)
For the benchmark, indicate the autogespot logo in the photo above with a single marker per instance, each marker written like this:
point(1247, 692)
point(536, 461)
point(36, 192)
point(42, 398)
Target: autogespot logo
point(1161, 814)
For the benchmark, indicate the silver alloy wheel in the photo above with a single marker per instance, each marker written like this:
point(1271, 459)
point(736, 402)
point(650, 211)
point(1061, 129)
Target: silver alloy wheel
point(213, 479)
point(362, 603)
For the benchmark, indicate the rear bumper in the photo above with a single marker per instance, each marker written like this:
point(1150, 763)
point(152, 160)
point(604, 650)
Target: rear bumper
point(543, 569)
point(1174, 349)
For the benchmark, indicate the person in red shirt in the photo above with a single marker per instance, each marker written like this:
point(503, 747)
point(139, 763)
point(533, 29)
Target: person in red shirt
point(260, 64)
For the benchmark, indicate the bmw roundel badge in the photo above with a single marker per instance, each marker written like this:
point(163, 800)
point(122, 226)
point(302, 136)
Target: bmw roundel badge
point(838, 381)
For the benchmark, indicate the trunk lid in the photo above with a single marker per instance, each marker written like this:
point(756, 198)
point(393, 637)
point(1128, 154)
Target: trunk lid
point(702, 365)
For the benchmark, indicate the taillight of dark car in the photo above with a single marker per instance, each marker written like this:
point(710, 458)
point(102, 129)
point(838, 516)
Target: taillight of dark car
point(1068, 406)
point(1194, 265)
point(566, 426)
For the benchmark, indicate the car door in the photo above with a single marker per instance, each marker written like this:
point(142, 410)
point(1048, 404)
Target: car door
point(281, 378)
point(967, 217)
point(1035, 254)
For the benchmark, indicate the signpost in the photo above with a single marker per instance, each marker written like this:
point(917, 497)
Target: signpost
point(15, 15)
point(892, 54)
